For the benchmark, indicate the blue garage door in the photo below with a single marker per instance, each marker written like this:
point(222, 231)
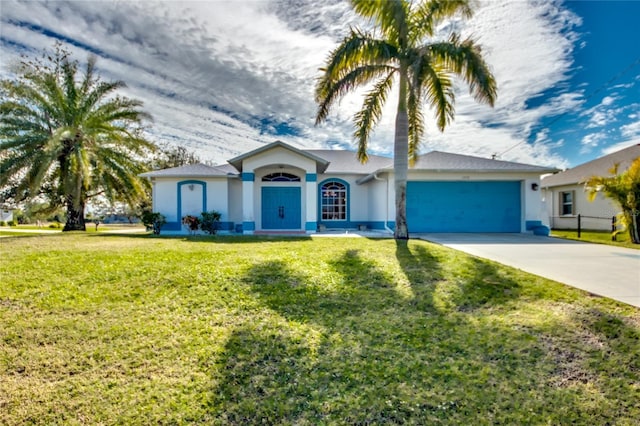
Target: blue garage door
point(281, 208)
point(463, 206)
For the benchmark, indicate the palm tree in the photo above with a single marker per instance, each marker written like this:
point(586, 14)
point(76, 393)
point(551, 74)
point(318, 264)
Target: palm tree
point(623, 188)
point(405, 53)
point(68, 138)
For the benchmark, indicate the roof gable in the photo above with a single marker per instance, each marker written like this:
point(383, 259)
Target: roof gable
point(321, 163)
point(598, 167)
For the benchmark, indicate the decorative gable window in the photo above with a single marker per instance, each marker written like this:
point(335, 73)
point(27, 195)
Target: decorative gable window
point(566, 203)
point(281, 177)
point(334, 201)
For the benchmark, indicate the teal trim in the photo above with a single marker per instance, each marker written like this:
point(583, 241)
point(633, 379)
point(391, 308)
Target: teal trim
point(311, 226)
point(335, 223)
point(204, 195)
point(532, 224)
point(248, 177)
point(248, 226)
point(311, 177)
point(172, 226)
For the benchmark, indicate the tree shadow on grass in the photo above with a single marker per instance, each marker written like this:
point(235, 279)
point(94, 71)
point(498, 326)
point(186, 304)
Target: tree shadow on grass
point(466, 284)
point(353, 349)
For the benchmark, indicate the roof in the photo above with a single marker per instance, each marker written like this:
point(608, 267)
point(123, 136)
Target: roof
point(339, 161)
point(445, 161)
point(347, 161)
point(320, 162)
point(448, 162)
point(598, 167)
point(193, 170)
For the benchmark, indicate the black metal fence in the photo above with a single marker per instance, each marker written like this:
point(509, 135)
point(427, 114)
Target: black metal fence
point(582, 222)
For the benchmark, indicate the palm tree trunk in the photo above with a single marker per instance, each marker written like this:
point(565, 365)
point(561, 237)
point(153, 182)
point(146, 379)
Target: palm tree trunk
point(634, 226)
point(75, 216)
point(401, 161)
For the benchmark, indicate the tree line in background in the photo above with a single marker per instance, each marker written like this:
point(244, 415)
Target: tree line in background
point(68, 141)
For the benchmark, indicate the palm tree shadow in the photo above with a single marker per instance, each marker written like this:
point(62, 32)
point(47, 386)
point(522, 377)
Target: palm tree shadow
point(471, 283)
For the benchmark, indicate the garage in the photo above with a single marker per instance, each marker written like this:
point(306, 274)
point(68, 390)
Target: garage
point(455, 206)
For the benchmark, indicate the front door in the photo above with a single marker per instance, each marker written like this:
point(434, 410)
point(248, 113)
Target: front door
point(281, 207)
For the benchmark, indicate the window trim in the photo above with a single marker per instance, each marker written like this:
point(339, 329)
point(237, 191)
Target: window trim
point(562, 203)
point(321, 205)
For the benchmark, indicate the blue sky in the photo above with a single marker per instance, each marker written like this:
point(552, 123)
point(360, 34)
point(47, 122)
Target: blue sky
point(224, 77)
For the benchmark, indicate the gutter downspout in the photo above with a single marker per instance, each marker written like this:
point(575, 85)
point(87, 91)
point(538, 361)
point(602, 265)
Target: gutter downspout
point(386, 204)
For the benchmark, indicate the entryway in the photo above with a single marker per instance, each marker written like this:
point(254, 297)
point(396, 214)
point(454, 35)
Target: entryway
point(281, 207)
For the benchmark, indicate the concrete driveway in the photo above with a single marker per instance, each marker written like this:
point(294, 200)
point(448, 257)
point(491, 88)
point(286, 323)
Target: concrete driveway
point(604, 270)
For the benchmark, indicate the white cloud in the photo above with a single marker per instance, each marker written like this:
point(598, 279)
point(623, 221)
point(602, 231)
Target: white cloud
point(218, 77)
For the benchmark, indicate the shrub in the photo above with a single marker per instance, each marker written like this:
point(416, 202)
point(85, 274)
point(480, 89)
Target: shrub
point(191, 222)
point(13, 223)
point(3, 223)
point(55, 225)
point(153, 220)
point(210, 222)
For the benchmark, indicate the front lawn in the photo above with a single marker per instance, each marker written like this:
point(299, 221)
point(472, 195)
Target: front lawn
point(103, 329)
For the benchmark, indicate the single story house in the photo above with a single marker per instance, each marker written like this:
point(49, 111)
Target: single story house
point(278, 188)
point(566, 198)
point(6, 214)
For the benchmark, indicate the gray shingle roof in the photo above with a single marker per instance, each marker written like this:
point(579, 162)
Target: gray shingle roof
point(347, 161)
point(193, 170)
point(445, 161)
point(597, 167)
point(337, 161)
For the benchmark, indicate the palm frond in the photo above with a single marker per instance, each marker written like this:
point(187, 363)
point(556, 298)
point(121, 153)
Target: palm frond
point(328, 90)
point(391, 16)
point(429, 14)
point(464, 58)
point(367, 118)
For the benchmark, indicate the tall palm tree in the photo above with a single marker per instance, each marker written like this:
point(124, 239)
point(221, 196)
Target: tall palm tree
point(67, 137)
point(624, 188)
point(404, 51)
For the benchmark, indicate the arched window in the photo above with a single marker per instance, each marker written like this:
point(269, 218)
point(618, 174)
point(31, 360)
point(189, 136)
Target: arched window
point(281, 177)
point(333, 197)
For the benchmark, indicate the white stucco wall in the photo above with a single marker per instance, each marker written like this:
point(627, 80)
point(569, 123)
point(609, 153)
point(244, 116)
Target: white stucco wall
point(165, 197)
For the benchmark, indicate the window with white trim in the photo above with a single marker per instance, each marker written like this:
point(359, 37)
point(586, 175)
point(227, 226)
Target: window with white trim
point(566, 203)
point(334, 201)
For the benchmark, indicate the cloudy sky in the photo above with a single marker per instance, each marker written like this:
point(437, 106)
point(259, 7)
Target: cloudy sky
point(224, 77)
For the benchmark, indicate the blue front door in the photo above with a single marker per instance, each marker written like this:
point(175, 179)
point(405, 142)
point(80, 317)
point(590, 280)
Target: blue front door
point(281, 207)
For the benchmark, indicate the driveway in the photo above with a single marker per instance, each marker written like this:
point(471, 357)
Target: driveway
point(613, 272)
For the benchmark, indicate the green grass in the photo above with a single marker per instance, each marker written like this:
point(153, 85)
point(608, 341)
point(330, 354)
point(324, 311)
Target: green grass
point(599, 237)
point(100, 329)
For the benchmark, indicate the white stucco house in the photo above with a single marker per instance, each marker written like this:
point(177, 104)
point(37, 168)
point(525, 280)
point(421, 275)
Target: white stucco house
point(6, 214)
point(565, 196)
point(279, 188)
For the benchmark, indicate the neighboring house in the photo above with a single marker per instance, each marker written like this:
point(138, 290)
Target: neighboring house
point(565, 196)
point(6, 214)
point(281, 188)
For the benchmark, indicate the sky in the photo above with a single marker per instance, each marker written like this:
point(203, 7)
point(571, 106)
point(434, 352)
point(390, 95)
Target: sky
point(224, 77)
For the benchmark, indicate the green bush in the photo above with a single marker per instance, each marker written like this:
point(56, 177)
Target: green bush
point(3, 223)
point(13, 223)
point(55, 225)
point(153, 220)
point(210, 222)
